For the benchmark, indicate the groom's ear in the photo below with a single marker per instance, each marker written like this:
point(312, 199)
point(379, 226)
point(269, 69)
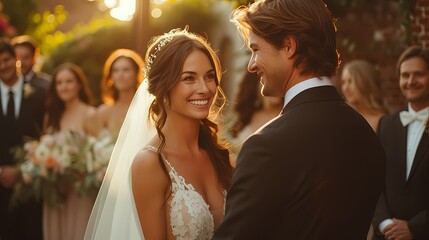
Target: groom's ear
point(289, 46)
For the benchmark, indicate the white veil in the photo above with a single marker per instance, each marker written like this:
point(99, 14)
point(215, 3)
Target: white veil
point(114, 215)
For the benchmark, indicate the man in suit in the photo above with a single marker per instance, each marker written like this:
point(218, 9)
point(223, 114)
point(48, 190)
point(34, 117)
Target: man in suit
point(26, 50)
point(21, 114)
point(315, 171)
point(403, 208)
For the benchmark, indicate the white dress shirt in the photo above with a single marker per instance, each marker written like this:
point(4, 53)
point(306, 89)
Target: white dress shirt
point(415, 133)
point(304, 85)
point(17, 93)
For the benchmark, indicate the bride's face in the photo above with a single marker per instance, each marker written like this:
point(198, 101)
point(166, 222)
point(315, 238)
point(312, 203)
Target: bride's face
point(193, 94)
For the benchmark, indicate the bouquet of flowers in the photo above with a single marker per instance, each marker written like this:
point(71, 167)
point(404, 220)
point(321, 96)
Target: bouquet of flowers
point(48, 167)
point(96, 152)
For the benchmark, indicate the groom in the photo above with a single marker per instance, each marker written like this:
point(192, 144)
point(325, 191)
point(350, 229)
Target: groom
point(315, 171)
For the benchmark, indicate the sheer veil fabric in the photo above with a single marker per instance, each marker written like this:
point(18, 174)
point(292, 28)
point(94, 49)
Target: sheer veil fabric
point(114, 215)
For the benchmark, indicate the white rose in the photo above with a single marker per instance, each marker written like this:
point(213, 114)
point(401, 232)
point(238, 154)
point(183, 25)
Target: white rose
point(42, 153)
point(48, 140)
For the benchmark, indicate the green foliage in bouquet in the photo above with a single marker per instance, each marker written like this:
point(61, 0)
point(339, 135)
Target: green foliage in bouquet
point(96, 152)
point(25, 189)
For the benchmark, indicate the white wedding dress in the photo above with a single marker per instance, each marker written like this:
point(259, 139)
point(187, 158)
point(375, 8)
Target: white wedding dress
point(190, 216)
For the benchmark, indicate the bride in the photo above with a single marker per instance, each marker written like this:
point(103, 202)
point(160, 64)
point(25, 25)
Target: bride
point(168, 184)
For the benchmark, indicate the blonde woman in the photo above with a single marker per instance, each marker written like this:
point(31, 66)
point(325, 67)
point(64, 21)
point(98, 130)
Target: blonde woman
point(361, 88)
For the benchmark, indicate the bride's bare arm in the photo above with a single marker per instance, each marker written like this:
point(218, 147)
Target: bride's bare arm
point(149, 185)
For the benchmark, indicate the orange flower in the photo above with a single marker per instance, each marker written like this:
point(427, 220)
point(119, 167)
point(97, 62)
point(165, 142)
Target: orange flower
point(50, 163)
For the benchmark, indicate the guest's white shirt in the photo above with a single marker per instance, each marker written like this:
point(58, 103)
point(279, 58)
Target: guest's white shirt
point(304, 85)
point(414, 135)
point(17, 93)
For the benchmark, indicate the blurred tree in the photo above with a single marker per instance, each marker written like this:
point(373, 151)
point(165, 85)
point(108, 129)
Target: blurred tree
point(196, 14)
point(43, 25)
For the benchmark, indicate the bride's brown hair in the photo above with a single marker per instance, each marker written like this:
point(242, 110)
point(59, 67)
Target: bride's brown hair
point(165, 58)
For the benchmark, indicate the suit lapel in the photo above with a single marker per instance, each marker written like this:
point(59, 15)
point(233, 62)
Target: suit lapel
point(420, 153)
point(402, 133)
point(25, 103)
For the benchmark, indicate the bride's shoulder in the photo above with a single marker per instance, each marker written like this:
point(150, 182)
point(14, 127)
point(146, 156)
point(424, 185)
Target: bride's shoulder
point(147, 171)
point(147, 160)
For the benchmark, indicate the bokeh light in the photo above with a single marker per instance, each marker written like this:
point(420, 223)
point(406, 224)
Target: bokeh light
point(156, 13)
point(110, 3)
point(124, 10)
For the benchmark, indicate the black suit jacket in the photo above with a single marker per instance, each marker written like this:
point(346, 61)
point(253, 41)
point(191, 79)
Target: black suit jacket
point(403, 198)
point(41, 80)
point(315, 172)
point(24, 221)
point(28, 124)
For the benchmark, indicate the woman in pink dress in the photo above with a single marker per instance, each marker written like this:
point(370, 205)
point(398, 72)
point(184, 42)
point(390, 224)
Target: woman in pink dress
point(68, 108)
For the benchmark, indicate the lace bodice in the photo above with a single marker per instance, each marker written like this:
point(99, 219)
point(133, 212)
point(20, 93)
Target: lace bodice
point(190, 217)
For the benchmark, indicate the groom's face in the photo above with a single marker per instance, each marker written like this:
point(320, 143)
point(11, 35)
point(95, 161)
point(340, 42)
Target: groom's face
point(272, 66)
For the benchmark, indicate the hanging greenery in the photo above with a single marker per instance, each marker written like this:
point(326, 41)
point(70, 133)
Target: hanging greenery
point(406, 8)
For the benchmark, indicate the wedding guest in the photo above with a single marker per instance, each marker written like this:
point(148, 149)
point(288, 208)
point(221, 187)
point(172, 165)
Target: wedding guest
point(250, 112)
point(360, 86)
point(21, 115)
point(402, 211)
point(316, 170)
point(122, 76)
point(180, 173)
point(68, 108)
point(27, 52)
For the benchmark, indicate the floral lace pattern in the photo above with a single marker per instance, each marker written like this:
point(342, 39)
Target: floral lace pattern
point(190, 217)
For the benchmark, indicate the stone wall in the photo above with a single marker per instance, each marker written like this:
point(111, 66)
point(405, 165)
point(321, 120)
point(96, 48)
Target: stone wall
point(420, 23)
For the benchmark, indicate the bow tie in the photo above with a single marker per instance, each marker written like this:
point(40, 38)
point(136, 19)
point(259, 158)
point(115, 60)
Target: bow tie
point(407, 117)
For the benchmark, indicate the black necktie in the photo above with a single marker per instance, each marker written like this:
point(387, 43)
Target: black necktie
point(11, 107)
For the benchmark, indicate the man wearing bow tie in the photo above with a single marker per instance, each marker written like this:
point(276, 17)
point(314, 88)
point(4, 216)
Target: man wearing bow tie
point(403, 209)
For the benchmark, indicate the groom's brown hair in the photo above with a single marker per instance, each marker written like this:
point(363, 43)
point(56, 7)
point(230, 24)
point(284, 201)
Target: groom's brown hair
point(309, 22)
